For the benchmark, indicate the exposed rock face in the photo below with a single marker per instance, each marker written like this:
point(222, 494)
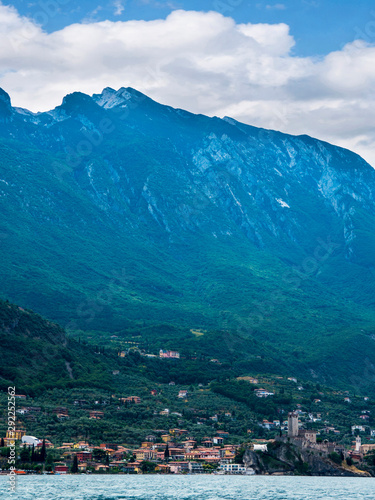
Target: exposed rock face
point(219, 177)
point(5, 107)
point(287, 458)
point(208, 222)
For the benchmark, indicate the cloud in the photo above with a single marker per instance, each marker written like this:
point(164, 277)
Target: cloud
point(203, 62)
point(311, 3)
point(277, 6)
point(92, 16)
point(119, 7)
point(161, 4)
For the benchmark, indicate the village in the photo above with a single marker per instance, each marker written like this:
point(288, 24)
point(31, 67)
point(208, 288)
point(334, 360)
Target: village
point(219, 427)
point(177, 451)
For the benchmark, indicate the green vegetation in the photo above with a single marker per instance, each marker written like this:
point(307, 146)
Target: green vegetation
point(97, 380)
point(335, 457)
point(141, 241)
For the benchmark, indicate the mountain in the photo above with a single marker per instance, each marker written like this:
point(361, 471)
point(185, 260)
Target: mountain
point(119, 215)
point(36, 355)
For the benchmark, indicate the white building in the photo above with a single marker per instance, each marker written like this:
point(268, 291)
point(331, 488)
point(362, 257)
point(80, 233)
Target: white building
point(235, 469)
point(360, 428)
point(30, 440)
point(260, 447)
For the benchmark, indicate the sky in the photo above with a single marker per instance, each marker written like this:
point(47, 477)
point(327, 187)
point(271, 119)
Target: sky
point(298, 66)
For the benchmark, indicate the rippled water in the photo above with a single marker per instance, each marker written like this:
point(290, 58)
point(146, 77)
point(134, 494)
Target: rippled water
point(204, 487)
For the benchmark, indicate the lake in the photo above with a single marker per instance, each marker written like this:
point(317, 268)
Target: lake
point(196, 487)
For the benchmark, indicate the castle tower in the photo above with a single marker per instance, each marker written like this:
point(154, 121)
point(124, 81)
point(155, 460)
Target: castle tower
point(358, 443)
point(292, 424)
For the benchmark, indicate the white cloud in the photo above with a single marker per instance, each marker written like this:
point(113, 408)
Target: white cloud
point(203, 62)
point(277, 6)
point(160, 4)
point(92, 16)
point(119, 7)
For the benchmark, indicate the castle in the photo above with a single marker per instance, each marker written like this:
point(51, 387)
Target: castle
point(296, 433)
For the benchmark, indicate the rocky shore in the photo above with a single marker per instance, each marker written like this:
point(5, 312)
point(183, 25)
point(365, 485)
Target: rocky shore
point(286, 458)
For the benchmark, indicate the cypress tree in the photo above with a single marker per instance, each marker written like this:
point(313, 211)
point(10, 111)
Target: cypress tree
point(74, 468)
point(43, 451)
point(166, 453)
point(25, 454)
point(2, 444)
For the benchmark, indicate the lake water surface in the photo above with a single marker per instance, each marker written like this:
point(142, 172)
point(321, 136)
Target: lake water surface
point(205, 487)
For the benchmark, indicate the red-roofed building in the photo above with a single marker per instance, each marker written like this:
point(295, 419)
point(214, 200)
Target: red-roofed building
point(61, 469)
point(84, 456)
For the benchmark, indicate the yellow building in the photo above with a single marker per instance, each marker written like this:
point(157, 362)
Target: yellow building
point(144, 454)
point(16, 435)
point(366, 448)
point(13, 436)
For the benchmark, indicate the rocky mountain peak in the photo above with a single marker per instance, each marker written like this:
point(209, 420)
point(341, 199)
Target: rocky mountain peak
point(5, 106)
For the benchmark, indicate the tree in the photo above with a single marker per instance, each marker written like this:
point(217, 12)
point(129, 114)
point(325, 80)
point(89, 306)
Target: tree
point(238, 459)
point(99, 454)
point(370, 458)
point(24, 454)
point(43, 453)
point(147, 466)
point(166, 453)
point(49, 459)
point(74, 468)
point(2, 444)
point(33, 457)
point(335, 457)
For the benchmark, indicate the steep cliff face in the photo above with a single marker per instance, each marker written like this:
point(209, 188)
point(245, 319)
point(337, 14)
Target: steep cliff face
point(5, 107)
point(181, 171)
point(178, 172)
point(285, 458)
point(117, 208)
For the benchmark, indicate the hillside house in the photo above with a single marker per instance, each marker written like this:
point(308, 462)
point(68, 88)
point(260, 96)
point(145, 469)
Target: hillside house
point(96, 414)
point(262, 393)
point(223, 434)
point(151, 438)
point(169, 354)
point(218, 440)
point(133, 399)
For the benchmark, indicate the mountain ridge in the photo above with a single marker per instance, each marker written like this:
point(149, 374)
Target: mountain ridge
point(132, 211)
